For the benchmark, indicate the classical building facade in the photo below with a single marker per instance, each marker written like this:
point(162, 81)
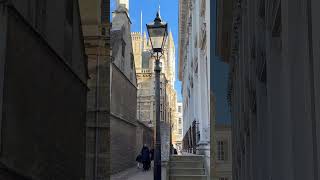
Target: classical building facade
point(223, 161)
point(194, 63)
point(43, 77)
point(178, 128)
point(95, 15)
point(144, 64)
point(271, 47)
point(123, 118)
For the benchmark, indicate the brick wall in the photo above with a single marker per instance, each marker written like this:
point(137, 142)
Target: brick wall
point(122, 144)
point(122, 121)
point(144, 135)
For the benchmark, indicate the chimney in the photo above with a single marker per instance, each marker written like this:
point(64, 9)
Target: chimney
point(123, 3)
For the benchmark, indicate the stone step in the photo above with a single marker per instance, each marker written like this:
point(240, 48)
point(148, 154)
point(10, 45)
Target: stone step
point(187, 177)
point(187, 171)
point(186, 158)
point(186, 164)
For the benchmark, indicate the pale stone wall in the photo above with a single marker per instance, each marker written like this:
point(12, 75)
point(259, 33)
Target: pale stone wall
point(194, 66)
point(178, 127)
point(121, 41)
point(223, 169)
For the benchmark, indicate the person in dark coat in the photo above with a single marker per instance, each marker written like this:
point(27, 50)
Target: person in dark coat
point(145, 157)
point(139, 160)
point(175, 151)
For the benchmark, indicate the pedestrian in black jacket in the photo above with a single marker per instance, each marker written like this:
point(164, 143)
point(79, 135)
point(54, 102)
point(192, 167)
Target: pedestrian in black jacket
point(145, 157)
point(139, 160)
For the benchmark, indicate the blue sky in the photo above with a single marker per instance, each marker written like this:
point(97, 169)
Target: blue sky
point(168, 12)
point(219, 84)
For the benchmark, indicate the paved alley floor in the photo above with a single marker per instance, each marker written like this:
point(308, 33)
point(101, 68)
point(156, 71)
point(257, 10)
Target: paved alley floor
point(137, 174)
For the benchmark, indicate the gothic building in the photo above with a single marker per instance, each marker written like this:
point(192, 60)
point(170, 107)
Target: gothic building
point(144, 64)
point(145, 76)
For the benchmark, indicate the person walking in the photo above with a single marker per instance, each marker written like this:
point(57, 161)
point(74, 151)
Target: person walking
point(145, 157)
point(139, 160)
point(175, 151)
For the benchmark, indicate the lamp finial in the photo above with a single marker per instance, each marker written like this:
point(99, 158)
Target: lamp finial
point(157, 19)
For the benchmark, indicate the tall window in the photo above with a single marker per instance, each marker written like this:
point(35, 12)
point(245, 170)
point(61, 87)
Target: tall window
point(179, 109)
point(180, 131)
point(179, 120)
point(132, 61)
point(122, 65)
point(221, 150)
point(123, 48)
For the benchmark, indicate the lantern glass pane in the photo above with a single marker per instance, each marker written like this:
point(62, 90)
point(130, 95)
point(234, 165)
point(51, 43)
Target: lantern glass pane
point(156, 36)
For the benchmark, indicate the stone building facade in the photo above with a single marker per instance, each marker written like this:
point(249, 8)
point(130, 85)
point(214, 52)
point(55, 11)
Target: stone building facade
point(178, 128)
point(144, 64)
point(42, 90)
point(95, 15)
point(194, 66)
point(144, 135)
point(145, 76)
point(223, 161)
point(123, 117)
point(272, 50)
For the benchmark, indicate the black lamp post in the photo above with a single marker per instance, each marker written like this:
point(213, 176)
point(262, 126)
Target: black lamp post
point(158, 32)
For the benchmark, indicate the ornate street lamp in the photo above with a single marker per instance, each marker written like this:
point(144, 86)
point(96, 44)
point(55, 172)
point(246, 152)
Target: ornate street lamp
point(158, 32)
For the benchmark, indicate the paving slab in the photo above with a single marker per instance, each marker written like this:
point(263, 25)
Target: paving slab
point(137, 174)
